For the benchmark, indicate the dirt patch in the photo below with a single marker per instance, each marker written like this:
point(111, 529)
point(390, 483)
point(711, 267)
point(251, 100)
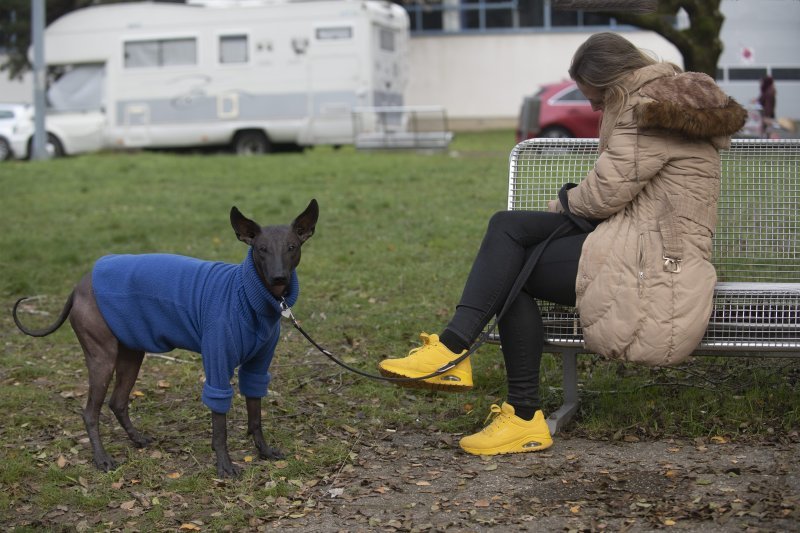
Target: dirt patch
point(415, 482)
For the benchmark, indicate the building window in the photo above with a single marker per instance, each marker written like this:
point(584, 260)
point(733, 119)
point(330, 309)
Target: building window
point(786, 74)
point(746, 74)
point(160, 53)
point(233, 49)
point(468, 16)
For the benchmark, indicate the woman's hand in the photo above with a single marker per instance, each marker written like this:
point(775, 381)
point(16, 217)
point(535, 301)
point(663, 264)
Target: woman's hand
point(554, 206)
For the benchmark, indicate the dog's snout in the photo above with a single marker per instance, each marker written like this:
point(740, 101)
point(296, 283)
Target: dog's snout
point(279, 280)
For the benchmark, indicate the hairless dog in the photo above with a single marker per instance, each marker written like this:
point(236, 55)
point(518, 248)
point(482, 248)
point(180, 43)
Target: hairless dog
point(229, 313)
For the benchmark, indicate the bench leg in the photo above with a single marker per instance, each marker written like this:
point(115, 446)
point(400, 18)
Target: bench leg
point(559, 418)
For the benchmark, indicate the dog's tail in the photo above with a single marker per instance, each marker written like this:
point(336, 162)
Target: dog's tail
point(50, 329)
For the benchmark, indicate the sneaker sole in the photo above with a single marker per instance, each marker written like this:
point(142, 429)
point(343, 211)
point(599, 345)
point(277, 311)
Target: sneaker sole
point(422, 384)
point(503, 450)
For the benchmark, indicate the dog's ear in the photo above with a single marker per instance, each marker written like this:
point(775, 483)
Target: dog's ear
point(246, 230)
point(306, 222)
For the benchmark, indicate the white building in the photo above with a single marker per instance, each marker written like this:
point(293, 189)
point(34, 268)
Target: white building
point(479, 59)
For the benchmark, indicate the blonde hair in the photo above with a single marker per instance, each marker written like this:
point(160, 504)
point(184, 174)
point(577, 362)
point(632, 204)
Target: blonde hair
point(603, 61)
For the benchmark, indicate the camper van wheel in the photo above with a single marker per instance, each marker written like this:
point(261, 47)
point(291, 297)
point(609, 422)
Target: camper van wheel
point(251, 143)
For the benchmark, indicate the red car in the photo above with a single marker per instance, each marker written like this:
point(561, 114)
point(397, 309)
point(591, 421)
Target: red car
point(558, 110)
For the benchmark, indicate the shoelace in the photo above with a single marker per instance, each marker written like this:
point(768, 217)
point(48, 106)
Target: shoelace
point(425, 341)
point(498, 419)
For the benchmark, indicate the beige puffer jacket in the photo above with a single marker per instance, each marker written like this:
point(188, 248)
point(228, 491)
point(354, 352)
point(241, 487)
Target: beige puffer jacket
point(645, 280)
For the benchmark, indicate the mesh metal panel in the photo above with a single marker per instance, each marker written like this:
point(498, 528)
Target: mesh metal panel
point(756, 244)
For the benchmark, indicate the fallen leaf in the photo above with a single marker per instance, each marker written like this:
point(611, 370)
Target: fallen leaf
point(190, 527)
point(61, 462)
point(163, 384)
point(669, 522)
point(174, 475)
point(138, 393)
point(423, 484)
point(575, 509)
point(248, 458)
point(490, 467)
point(719, 440)
point(482, 503)
point(128, 505)
point(630, 438)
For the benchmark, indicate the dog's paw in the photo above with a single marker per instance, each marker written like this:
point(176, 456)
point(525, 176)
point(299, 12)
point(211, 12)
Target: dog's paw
point(105, 463)
point(228, 470)
point(271, 453)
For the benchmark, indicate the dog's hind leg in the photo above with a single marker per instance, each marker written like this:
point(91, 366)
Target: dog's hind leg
point(127, 370)
point(100, 351)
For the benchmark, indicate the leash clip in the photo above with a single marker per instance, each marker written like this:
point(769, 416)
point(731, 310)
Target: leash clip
point(286, 311)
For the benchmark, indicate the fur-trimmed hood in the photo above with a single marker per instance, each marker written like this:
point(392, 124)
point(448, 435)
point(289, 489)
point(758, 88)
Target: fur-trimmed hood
point(687, 103)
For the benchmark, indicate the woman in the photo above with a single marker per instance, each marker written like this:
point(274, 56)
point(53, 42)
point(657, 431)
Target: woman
point(642, 281)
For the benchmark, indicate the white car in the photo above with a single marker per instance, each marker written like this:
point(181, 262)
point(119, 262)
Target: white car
point(68, 133)
point(16, 128)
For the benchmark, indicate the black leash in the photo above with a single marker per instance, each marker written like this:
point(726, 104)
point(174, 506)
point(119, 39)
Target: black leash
point(523, 276)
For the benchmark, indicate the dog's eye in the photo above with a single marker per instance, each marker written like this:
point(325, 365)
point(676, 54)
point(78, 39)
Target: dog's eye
point(292, 247)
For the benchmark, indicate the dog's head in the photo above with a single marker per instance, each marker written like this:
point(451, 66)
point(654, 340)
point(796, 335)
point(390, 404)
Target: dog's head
point(276, 249)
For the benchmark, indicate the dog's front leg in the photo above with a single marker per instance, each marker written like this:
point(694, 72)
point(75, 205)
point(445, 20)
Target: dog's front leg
point(254, 429)
point(219, 442)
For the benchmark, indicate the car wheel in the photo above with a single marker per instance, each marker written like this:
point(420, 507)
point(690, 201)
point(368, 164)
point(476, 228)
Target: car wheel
point(54, 146)
point(556, 132)
point(5, 150)
point(251, 143)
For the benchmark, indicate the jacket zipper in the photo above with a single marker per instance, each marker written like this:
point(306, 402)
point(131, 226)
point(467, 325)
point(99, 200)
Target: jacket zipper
point(640, 281)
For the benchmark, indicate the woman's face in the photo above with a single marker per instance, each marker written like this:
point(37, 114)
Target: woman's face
point(593, 94)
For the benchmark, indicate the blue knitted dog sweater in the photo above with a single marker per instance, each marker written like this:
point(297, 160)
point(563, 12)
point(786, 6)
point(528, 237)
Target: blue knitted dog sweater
point(159, 302)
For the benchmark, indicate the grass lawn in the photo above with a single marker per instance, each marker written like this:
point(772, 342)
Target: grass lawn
point(395, 240)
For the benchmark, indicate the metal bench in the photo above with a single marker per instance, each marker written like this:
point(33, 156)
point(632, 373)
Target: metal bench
point(756, 249)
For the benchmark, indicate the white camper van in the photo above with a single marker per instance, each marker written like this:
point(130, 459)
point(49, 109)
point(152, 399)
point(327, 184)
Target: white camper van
point(252, 74)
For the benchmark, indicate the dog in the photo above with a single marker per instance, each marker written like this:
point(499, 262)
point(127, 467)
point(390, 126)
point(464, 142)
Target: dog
point(229, 313)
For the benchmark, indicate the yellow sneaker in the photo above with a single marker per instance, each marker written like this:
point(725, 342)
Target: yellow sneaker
point(426, 359)
point(508, 433)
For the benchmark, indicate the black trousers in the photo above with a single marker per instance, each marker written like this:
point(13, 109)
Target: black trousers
point(509, 240)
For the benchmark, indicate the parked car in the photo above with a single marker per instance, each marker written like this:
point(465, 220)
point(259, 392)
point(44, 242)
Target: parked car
point(67, 133)
point(15, 130)
point(558, 110)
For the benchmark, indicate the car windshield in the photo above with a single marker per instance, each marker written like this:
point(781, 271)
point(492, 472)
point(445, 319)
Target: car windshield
point(573, 96)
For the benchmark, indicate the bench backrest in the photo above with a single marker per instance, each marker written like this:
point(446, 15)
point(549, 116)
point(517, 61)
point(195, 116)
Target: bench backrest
point(758, 229)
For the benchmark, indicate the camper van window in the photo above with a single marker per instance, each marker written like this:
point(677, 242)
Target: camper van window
point(160, 53)
point(387, 39)
point(233, 49)
point(337, 33)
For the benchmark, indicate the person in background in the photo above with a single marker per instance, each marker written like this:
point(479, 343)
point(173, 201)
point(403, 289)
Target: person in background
point(766, 100)
point(642, 280)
